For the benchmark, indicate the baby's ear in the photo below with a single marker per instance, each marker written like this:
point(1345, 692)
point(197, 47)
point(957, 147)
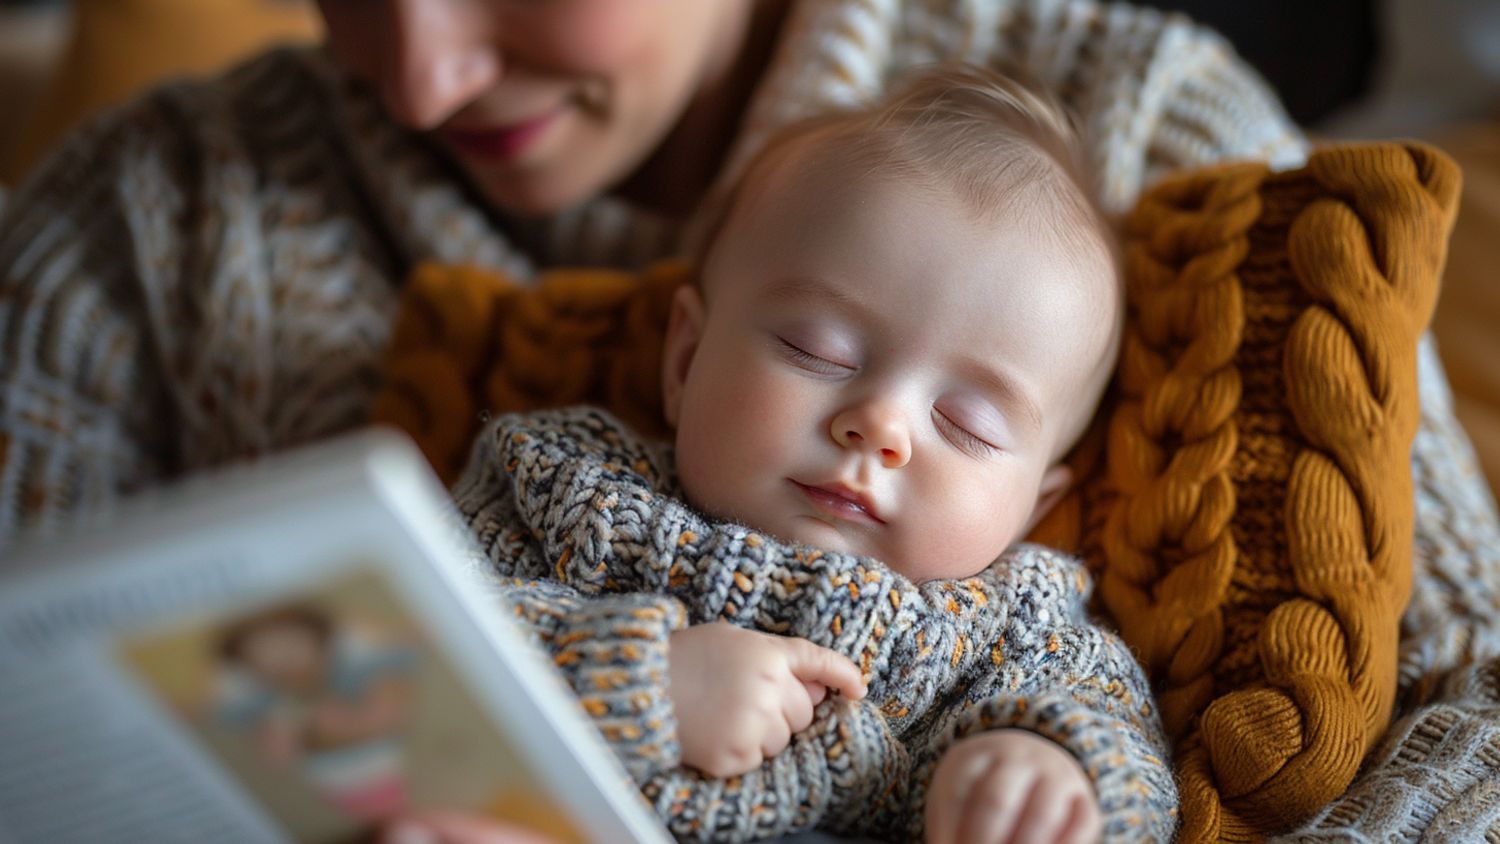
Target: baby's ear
point(684, 329)
point(1055, 484)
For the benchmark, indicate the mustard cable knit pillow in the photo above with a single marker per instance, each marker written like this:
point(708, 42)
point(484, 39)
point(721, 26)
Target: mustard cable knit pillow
point(470, 341)
point(1256, 531)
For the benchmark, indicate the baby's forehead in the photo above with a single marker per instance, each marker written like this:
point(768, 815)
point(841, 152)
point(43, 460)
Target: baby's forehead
point(1055, 220)
point(1015, 184)
point(934, 281)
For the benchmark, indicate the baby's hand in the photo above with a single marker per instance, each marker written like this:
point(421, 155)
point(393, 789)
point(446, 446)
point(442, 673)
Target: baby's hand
point(1010, 786)
point(740, 695)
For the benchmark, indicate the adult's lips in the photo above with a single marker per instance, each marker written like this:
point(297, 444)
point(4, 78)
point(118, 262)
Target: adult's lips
point(501, 141)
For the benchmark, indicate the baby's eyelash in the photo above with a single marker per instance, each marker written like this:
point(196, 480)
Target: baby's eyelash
point(966, 440)
point(810, 361)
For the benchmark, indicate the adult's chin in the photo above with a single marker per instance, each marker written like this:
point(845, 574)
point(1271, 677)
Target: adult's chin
point(532, 197)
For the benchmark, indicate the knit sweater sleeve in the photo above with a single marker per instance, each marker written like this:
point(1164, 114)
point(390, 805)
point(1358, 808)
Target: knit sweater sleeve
point(610, 647)
point(189, 279)
point(1056, 674)
point(206, 274)
point(75, 355)
point(845, 768)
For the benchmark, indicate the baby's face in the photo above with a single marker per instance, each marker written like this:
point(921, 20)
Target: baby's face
point(874, 369)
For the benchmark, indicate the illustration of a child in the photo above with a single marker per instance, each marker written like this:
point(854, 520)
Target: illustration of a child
point(328, 698)
point(905, 318)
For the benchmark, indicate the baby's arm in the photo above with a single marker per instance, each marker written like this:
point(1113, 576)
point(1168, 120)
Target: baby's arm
point(611, 648)
point(1058, 677)
point(846, 760)
point(616, 659)
point(612, 651)
point(845, 766)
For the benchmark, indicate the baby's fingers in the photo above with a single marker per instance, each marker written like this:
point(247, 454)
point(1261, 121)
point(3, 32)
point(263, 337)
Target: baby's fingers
point(952, 783)
point(1083, 826)
point(776, 736)
point(797, 704)
point(995, 804)
point(945, 803)
point(1042, 819)
point(813, 664)
point(815, 692)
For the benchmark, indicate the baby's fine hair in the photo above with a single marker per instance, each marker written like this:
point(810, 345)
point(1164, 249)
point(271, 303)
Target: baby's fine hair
point(995, 141)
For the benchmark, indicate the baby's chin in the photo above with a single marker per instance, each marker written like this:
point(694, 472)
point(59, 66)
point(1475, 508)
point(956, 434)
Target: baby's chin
point(826, 536)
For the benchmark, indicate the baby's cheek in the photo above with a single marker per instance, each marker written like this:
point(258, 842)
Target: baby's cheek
point(732, 438)
point(962, 530)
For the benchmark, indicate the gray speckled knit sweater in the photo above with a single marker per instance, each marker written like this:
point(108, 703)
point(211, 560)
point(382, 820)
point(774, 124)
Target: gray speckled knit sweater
point(583, 533)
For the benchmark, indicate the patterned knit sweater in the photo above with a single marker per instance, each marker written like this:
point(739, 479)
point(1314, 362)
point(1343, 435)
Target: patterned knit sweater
point(211, 273)
point(583, 530)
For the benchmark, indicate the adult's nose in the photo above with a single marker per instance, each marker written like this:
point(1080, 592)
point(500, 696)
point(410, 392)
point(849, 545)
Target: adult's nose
point(876, 428)
point(443, 59)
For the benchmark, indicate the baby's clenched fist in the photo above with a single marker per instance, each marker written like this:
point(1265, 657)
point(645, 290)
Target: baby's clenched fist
point(740, 695)
point(1014, 787)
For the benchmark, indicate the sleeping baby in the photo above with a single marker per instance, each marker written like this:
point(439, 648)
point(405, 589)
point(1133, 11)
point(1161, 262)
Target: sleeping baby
point(812, 609)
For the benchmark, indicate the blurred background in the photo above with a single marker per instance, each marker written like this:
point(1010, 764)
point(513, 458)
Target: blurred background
point(1345, 69)
point(61, 60)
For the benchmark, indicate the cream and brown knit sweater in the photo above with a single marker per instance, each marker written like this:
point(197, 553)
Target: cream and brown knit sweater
point(211, 272)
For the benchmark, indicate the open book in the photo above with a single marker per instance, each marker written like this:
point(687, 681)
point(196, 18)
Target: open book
point(288, 651)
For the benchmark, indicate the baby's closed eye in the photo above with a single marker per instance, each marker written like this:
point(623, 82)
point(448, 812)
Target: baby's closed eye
point(971, 423)
point(813, 362)
point(962, 437)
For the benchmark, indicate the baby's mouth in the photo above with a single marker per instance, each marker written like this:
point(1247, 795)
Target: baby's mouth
point(841, 502)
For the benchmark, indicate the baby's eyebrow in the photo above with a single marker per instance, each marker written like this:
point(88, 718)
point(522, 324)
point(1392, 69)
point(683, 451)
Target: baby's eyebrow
point(1012, 393)
point(812, 287)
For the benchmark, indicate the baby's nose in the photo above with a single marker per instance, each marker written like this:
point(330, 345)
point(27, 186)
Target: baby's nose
point(874, 430)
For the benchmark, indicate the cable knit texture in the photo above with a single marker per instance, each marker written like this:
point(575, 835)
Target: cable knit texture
point(469, 340)
point(1258, 550)
point(573, 499)
point(213, 271)
point(1434, 778)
